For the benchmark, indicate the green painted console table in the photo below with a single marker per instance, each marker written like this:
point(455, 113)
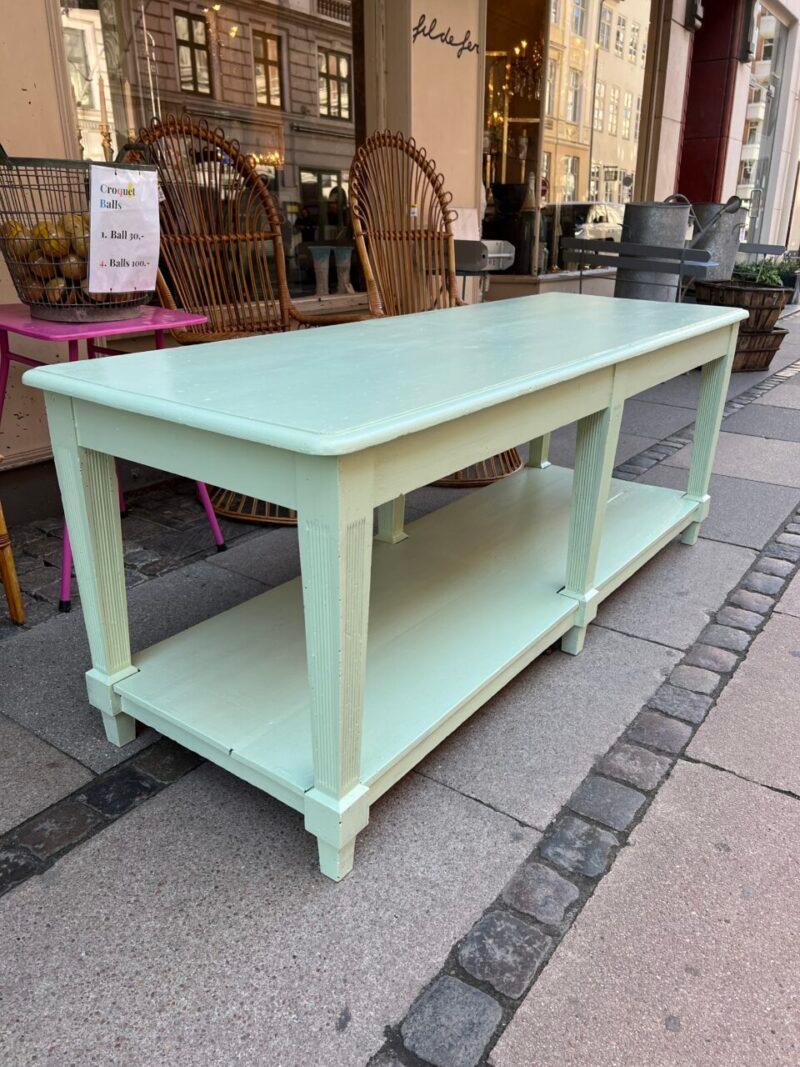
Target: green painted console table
point(326, 690)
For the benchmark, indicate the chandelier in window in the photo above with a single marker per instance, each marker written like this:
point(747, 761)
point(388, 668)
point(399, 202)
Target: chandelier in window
point(523, 71)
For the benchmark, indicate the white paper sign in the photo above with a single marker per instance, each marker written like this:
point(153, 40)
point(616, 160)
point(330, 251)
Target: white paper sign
point(124, 230)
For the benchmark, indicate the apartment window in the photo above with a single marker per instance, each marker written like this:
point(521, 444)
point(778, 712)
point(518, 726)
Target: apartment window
point(194, 69)
point(644, 52)
point(570, 177)
point(746, 168)
point(594, 182)
point(334, 84)
point(638, 120)
point(574, 96)
point(604, 29)
point(550, 86)
point(627, 115)
point(619, 39)
point(555, 11)
point(267, 69)
point(613, 110)
point(633, 43)
point(579, 17)
point(546, 166)
point(80, 73)
point(599, 106)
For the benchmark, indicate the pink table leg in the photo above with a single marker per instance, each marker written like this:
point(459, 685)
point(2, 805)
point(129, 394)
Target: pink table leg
point(202, 490)
point(5, 364)
point(65, 599)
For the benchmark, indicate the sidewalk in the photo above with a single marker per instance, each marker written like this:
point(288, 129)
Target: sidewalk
point(161, 911)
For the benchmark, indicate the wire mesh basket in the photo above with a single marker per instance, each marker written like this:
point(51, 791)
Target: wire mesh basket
point(45, 237)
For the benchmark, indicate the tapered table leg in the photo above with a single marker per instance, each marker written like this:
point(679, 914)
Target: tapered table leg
point(710, 406)
point(594, 461)
point(335, 532)
point(391, 520)
point(539, 450)
point(88, 484)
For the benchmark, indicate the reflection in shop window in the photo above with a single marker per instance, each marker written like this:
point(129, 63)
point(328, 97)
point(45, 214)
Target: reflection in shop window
point(638, 121)
point(334, 84)
point(555, 10)
point(599, 106)
point(579, 17)
point(550, 86)
point(619, 39)
point(571, 170)
point(627, 114)
point(574, 96)
point(267, 69)
point(604, 29)
point(78, 64)
point(613, 110)
point(633, 43)
point(191, 40)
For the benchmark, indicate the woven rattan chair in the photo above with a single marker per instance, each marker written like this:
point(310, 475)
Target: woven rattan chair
point(221, 254)
point(402, 224)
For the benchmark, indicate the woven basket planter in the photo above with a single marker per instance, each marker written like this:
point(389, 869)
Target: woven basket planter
point(756, 350)
point(763, 303)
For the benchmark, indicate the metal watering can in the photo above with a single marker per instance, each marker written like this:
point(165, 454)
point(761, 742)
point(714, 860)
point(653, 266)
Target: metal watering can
point(718, 229)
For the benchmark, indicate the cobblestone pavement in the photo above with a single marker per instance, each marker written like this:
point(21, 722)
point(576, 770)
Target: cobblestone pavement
point(525, 896)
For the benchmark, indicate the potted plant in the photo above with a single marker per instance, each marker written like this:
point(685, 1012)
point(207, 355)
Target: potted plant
point(759, 289)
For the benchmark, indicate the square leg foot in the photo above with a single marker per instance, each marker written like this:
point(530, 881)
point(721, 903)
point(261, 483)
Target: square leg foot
point(691, 533)
point(335, 862)
point(120, 729)
point(572, 641)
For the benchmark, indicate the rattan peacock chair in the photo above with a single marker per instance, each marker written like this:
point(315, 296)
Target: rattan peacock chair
point(221, 254)
point(402, 224)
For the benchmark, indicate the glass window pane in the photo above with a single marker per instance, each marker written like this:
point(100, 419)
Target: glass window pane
point(344, 99)
point(334, 97)
point(203, 77)
point(261, 84)
point(258, 46)
point(323, 96)
point(274, 87)
point(344, 66)
point(272, 49)
point(199, 31)
point(331, 63)
point(322, 62)
point(185, 67)
point(182, 27)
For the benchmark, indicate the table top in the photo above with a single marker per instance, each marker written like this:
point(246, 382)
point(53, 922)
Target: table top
point(345, 388)
point(16, 318)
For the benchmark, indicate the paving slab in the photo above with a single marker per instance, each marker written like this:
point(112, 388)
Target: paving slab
point(272, 557)
point(789, 603)
point(56, 655)
point(671, 597)
point(33, 774)
point(530, 746)
point(648, 419)
point(562, 445)
point(755, 728)
point(755, 458)
point(783, 396)
point(772, 422)
point(684, 390)
point(743, 512)
point(686, 954)
point(198, 929)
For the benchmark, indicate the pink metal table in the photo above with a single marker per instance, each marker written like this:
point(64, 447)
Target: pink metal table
point(15, 318)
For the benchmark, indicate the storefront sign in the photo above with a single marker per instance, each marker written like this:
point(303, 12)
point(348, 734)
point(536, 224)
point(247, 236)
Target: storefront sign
point(123, 252)
point(430, 29)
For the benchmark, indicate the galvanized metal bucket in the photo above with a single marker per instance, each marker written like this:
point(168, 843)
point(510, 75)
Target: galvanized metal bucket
point(663, 224)
point(718, 228)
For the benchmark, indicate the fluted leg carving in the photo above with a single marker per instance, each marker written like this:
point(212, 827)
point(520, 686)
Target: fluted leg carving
point(335, 531)
point(594, 461)
point(88, 484)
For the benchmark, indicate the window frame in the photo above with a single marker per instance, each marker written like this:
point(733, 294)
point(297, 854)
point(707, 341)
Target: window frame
point(605, 26)
point(193, 47)
point(627, 116)
point(599, 110)
point(579, 9)
point(575, 96)
point(265, 36)
point(620, 39)
point(327, 52)
point(613, 111)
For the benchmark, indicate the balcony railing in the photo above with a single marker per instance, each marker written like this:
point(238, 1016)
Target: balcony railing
point(339, 10)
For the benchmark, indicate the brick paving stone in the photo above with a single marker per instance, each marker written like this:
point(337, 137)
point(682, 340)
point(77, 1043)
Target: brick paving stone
point(781, 551)
point(578, 846)
point(16, 864)
point(739, 617)
point(792, 528)
point(762, 583)
point(504, 951)
point(697, 679)
point(659, 731)
point(693, 707)
point(119, 792)
point(791, 539)
point(451, 1024)
point(610, 803)
point(751, 601)
point(635, 765)
point(167, 761)
point(63, 825)
point(725, 637)
point(541, 892)
point(779, 567)
point(712, 659)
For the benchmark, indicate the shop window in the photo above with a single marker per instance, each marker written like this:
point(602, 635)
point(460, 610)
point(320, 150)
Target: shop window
point(604, 29)
point(627, 115)
point(80, 74)
point(613, 111)
point(574, 96)
point(267, 69)
point(619, 39)
point(191, 39)
point(334, 84)
point(579, 17)
point(599, 106)
point(324, 214)
point(633, 42)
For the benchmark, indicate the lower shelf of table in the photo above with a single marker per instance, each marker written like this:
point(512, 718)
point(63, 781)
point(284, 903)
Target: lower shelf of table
point(468, 600)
